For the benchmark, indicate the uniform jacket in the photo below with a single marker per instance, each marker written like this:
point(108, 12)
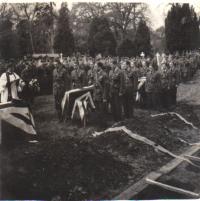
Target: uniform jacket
point(79, 78)
point(117, 83)
point(153, 82)
point(101, 83)
point(59, 76)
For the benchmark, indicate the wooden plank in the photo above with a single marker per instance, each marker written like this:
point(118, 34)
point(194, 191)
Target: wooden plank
point(137, 187)
point(173, 188)
point(194, 158)
point(144, 140)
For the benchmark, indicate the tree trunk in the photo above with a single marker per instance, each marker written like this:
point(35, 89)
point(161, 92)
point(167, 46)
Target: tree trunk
point(134, 20)
point(31, 38)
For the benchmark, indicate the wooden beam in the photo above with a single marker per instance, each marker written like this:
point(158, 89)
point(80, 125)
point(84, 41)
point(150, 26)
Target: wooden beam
point(174, 189)
point(139, 186)
point(145, 140)
point(194, 158)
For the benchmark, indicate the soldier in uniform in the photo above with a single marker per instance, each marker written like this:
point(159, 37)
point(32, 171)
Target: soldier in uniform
point(152, 86)
point(91, 74)
point(59, 77)
point(100, 95)
point(131, 82)
point(27, 75)
point(165, 86)
point(116, 78)
point(173, 83)
point(78, 77)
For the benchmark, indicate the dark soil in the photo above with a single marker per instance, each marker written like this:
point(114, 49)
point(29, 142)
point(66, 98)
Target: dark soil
point(142, 157)
point(158, 130)
point(70, 164)
point(67, 168)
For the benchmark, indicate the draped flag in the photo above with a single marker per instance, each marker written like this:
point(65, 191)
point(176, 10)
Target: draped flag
point(141, 83)
point(77, 100)
point(16, 115)
point(81, 105)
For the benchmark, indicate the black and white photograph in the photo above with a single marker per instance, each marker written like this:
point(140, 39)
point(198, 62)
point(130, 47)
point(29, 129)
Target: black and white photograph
point(99, 100)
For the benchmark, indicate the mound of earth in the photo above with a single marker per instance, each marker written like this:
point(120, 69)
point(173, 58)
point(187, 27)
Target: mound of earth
point(83, 167)
point(142, 157)
point(156, 130)
point(67, 168)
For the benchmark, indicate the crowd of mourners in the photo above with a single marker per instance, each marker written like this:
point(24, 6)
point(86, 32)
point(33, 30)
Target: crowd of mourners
point(119, 83)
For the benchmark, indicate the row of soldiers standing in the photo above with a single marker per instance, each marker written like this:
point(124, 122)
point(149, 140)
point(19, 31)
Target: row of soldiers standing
point(114, 87)
point(116, 83)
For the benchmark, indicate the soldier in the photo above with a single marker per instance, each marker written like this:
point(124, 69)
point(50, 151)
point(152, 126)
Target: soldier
point(91, 74)
point(27, 75)
point(59, 76)
point(144, 68)
point(101, 92)
point(131, 82)
point(152, 86)
point(174, 80)
point(78, 77)
point(116, 91)
point(165, 86)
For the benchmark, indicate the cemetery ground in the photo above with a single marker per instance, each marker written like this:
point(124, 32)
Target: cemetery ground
point(71, 163)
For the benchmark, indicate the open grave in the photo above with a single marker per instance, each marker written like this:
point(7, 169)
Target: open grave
point(99, 166)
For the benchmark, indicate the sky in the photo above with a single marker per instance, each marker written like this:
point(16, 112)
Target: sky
point(158, 8)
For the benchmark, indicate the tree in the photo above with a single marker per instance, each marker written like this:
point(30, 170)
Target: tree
point(25, 11)
point(7, 39)
point(24, 42)
point(44, 31)
point(64, 40)
point(142, 38)
point(101, 39)
point(40, 21)
point(81, 16)
point(158, 40)
point(126, 49)
point(181, 28)
point(125, 17)
point(5, 11)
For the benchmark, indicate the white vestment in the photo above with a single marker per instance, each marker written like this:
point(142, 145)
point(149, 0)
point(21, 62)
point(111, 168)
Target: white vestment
point(14, 78)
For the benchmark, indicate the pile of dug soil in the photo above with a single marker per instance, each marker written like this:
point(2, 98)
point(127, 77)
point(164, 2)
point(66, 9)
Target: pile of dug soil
point(190, 112)
point(141, 156)
point(157, 130)
point(67, 168)
point(84, 167)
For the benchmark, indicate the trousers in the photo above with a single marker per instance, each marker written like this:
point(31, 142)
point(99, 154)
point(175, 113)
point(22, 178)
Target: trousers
point(116, 106)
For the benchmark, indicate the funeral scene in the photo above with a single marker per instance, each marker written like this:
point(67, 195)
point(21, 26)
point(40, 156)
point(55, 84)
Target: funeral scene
point(99, 101)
